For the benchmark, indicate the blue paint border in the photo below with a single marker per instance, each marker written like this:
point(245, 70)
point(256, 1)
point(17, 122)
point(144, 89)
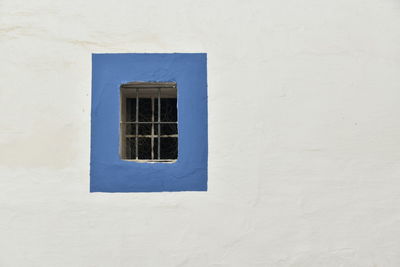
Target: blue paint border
point(108, 173)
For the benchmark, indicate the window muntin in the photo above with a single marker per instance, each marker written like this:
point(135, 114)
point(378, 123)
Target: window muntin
point(144, 135)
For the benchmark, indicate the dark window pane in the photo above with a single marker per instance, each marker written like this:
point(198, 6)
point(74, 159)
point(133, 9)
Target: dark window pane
point(144, 148)
point(130, 148)
point(144, 109)
point(155, 128)
point(156, 109)
point(130, 128)
point(155, 148)
point(169, 148)
point(168, 129)
point(168, 109)
point(131, 109)
point(145, 129)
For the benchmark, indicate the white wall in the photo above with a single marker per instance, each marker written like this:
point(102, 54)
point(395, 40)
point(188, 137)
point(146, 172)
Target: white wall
point(304, 133)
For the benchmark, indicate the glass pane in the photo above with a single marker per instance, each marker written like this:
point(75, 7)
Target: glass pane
point(145, 109)
point(130, 148)
point(169, 148)
point(144, 148)
point(145, 129)
point(155, 128)
point(155, 109)
point(168, 129)
point(131, 109)
point(155, 148)
point(169, 109)
point(130, 128)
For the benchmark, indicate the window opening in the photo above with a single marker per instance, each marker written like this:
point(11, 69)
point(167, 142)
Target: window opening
point(149, 122)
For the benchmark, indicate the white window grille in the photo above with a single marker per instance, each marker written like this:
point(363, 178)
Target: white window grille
point(149, 122)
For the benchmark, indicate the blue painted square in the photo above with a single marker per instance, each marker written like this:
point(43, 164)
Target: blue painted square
point(108, 173)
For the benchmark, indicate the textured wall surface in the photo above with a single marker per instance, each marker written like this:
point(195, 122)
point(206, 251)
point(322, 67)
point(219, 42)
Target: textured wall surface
point(304, 133)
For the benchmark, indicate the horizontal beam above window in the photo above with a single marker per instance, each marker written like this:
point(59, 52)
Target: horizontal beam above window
point(149, 122)
point(149, 85)
point(149, 135)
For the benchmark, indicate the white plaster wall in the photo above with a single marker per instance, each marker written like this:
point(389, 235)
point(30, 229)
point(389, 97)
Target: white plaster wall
point(304, 135)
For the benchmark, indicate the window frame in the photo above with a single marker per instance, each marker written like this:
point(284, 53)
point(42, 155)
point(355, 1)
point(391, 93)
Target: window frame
point(138, 91)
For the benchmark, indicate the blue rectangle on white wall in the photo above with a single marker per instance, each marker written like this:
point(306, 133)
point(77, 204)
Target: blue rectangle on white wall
point(110, 173)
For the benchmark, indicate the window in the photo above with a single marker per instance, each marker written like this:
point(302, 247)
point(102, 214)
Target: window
point(149, 130)
point(144, 135)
